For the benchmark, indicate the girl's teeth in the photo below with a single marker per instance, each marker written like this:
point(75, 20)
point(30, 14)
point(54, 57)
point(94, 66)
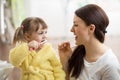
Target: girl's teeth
point(43, 41)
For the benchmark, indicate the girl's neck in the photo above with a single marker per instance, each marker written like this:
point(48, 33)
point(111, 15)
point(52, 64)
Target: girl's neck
point(94, 50)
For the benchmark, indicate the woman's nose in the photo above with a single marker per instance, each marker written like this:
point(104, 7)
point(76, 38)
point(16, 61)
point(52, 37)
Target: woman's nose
point(72, 30)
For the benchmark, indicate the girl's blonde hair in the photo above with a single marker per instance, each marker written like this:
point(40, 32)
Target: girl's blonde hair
point(29, 25)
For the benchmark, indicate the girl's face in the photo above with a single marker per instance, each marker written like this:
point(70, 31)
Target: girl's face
point(40, 35)
point(80, 30)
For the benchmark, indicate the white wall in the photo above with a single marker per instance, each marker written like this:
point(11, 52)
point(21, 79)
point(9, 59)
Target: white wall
point(52, 11)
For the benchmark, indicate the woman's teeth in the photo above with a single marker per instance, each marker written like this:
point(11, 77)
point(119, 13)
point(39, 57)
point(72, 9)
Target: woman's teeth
point(75, 37)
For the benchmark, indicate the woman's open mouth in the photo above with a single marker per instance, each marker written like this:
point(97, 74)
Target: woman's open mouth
point(75, 37)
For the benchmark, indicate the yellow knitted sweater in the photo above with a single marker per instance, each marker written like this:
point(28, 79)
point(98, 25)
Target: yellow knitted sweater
point(41, 65)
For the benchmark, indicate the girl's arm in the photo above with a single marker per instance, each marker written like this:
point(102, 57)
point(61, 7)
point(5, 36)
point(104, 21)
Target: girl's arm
point(18, 54)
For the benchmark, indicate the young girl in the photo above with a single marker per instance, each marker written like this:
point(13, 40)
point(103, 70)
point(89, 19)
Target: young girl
point(35, 57)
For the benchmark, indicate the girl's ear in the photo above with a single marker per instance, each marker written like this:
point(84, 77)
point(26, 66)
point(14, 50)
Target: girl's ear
point(27, 37)
point(92, 28)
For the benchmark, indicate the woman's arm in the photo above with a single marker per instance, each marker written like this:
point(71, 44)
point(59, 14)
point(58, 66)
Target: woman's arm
point(65, 52)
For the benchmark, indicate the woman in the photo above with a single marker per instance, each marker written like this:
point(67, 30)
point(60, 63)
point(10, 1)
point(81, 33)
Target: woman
point(91, 59)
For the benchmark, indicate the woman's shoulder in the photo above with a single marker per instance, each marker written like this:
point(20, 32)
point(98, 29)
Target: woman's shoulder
point(110, 59)
point(110, 55)
point(107, 61)
point(107, 65)
point(112, 66)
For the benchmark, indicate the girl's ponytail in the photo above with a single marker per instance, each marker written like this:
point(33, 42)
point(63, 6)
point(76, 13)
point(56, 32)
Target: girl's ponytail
point(18, 36)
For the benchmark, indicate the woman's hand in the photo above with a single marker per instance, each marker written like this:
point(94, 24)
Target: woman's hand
point(65, 52)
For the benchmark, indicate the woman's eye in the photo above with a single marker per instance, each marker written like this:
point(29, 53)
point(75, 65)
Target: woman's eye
point(75, 25)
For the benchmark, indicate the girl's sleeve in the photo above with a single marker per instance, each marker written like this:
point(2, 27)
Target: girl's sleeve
point(17, 55)
point(59, 74)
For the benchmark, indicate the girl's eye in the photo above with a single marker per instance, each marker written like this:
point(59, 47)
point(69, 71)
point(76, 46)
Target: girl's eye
point(45, 32)
point(40, 33)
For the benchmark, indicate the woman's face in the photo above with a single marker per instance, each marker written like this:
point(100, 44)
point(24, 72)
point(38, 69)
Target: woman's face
point(80, 30)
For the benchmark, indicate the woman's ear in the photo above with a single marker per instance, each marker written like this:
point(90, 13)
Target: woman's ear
point(27, 37)
point(91, 28)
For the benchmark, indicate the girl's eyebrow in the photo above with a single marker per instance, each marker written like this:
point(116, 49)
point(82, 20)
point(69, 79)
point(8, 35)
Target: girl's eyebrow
point(42, 31)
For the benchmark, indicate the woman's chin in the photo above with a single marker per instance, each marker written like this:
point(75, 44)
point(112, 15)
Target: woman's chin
point(77, 43)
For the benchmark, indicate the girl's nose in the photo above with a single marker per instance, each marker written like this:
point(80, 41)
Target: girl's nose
point(45, 35)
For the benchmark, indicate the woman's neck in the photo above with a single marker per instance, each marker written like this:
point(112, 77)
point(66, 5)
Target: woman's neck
point(94, 50)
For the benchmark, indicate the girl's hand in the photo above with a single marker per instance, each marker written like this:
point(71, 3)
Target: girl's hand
point(33, 45)
point(65, 52)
